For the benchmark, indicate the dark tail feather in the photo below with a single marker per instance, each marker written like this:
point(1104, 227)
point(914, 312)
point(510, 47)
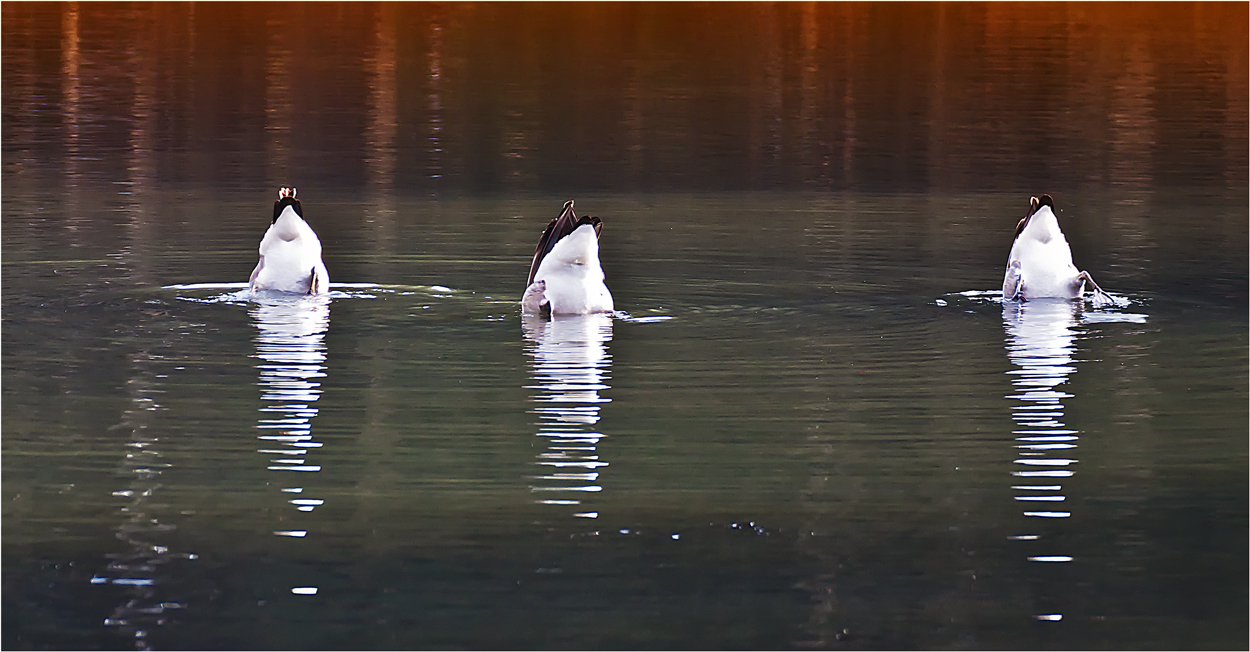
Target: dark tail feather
point(567, 223)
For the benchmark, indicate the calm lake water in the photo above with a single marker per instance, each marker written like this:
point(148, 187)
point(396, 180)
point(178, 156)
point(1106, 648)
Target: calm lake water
point(813, 422)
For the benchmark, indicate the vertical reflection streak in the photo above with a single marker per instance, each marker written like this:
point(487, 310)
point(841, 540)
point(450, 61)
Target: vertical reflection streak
point(571, 368)
point(279, 109)
point(435, 101)
point(938, 114)
point(290, 343)
point(849, 116)
point(70, 109)
point(138, 568)
point(772, 87)
point(70, 83)
point(811, 155)
point(518, 125)
point(381, 135)
point(632, 123)
point(141, 166)
point(1133, 124)
point(1041, 344)
point(383, 125)
point(143, 464)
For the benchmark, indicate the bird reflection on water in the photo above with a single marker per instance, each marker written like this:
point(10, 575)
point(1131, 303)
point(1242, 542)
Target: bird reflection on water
point(291, 346)
point(571, 368)
point(1041, 343)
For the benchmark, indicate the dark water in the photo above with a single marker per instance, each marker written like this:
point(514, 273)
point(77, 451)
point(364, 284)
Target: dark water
point(813, 424)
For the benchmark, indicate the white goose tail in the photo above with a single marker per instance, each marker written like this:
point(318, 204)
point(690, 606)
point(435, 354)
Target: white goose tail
point(290, 252)
point(565, 274)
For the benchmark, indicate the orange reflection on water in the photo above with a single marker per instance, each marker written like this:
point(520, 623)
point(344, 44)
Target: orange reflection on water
point(873, 96)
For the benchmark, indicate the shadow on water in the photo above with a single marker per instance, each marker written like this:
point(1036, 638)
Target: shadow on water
point(571, 368)
point(766, 182)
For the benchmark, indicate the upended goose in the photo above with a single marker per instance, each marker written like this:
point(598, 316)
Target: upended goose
point(290, 253)
point(565, 277)
point(1040, 263)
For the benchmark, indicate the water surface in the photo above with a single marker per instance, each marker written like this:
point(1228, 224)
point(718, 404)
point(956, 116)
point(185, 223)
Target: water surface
point(813, 424)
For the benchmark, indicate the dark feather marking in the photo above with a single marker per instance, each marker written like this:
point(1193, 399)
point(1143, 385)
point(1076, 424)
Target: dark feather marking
point(283, 203)
point(567, 223)
point(1034, 205)
point(1020, 227)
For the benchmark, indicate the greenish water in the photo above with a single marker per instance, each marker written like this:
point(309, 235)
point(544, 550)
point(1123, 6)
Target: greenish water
point(812, 424)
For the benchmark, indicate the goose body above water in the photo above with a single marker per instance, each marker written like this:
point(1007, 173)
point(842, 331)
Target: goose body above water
point(1040, 263)
point(290, 253)
point(565, 276)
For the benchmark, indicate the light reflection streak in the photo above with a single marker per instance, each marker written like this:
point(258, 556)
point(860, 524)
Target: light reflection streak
point(435, 101)
point(382, 130)
point(633, 124)
point(72, 117)
point(70, 87)
point(140, 567)
point(290, 344)
point(812, 152)
point(571, 368)
point(279, 106)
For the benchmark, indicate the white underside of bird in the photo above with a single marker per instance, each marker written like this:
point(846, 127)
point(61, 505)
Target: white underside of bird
point(1040, 262)
point(290, 258)
point(569, 280)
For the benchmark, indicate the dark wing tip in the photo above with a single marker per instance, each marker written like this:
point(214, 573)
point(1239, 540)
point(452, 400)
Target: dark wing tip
point(1047, 201)
point(545, 242)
